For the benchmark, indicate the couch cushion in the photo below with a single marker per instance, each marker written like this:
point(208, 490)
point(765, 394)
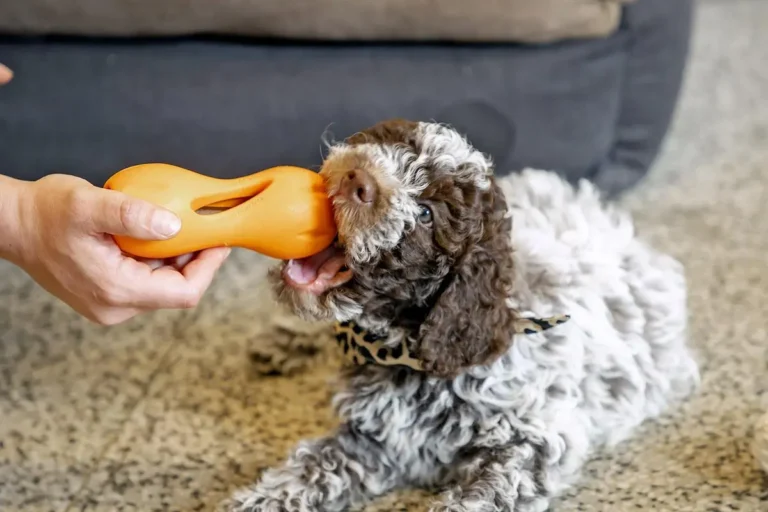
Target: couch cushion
point(455, 20)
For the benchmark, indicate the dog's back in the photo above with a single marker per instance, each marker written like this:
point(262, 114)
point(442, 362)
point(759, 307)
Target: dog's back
point(623, 357)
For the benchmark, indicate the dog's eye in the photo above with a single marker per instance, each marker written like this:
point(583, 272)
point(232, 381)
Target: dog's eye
point(425, 215)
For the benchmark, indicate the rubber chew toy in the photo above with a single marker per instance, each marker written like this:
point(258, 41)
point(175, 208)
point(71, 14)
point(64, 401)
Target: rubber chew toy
point(283, 212)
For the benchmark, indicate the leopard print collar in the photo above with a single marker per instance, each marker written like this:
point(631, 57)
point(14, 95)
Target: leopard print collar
point(361, 347)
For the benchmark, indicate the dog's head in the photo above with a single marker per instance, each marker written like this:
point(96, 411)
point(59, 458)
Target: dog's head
point(423, 245)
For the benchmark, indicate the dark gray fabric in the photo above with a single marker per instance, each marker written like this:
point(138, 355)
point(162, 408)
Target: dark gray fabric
point(228, 108)
point(656, 48)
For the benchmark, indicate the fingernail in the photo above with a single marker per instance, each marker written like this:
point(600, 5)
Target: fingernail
point(165, 223)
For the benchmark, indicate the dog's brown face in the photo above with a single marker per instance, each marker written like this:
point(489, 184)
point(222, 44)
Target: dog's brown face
point(423, 245)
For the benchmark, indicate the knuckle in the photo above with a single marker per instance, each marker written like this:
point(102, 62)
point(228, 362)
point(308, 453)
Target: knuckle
point(130, 212)
point(104, 317)
point(107, 293)
point(78, 201)
point(191, 300)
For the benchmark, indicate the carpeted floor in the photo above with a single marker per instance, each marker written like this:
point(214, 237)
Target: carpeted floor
point(163, 414)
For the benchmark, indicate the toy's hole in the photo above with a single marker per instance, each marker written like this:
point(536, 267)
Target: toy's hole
point(221, 206)
point(227, 204)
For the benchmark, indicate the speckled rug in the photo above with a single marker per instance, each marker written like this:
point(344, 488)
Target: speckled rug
point(163, 414)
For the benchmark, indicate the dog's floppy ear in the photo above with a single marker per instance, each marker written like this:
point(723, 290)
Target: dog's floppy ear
point(470, 322)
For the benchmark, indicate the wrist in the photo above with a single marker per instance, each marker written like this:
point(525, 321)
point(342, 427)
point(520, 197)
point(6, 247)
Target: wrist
point(12, 192)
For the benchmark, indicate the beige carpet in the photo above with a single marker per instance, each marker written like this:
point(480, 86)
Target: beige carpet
point(162, 413)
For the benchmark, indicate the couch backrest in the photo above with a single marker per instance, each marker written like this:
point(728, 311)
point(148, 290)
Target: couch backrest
point(342, 20)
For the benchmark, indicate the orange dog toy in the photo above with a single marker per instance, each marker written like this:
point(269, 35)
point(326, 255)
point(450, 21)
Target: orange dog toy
point(283, 212)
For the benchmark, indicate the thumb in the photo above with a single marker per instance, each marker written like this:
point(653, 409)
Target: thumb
point(116, 213)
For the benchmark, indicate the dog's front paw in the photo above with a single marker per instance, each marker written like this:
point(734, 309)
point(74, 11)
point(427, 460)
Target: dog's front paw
point(486, 497)
point(253, 500)
point(448, 507)
point(450, 502)
point(474, 504)
point(281, 492)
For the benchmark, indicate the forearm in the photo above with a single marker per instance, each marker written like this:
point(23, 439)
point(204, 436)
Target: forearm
point(11, 235)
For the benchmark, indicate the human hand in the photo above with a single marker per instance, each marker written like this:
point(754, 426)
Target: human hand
point(5, 74)
point(65, 244)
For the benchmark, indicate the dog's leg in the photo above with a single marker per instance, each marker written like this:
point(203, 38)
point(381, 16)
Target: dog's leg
point(504, 479)
point(328, 475)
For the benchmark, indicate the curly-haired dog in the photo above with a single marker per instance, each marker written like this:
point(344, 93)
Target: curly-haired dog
point(428, 262)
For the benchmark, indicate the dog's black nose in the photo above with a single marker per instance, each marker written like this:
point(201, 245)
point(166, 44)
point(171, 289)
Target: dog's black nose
point(360, 187)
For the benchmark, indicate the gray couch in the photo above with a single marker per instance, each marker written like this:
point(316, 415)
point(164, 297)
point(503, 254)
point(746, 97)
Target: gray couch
point(227, 103)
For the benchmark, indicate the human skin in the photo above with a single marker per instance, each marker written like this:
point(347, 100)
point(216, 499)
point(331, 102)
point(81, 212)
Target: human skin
point(59, 230)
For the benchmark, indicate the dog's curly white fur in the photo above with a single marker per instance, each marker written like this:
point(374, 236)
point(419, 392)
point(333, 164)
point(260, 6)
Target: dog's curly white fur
point(512, 434)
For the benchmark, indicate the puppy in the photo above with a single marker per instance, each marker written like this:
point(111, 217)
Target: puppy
point(454, 382)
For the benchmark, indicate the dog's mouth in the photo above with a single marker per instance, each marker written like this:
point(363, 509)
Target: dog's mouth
point(320, 272)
